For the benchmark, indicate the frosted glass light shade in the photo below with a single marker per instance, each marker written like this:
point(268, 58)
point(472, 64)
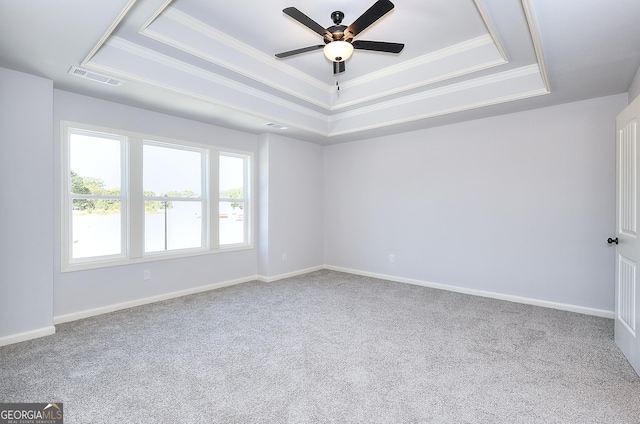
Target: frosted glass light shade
point(338, 51)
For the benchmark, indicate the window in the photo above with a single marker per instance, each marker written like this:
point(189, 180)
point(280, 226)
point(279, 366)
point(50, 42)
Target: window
point(96, 196)
point(130, 198)
point(232, 202)
point(174, 205)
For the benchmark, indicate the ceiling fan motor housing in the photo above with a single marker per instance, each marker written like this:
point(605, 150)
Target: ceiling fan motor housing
point(337, 31)
point(337, 17)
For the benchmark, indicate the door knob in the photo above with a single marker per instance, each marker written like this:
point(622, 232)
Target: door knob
point(611, 241)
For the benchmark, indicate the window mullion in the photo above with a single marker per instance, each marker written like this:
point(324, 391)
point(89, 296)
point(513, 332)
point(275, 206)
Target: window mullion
point(136, 202)
point(214, 199)
point(124, 208)
point(205, 229)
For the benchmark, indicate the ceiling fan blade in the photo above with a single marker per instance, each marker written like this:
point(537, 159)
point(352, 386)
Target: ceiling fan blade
point(338, 67)
point(298, 51)
point(307, 21)
point(375, 12)
point(378, 46)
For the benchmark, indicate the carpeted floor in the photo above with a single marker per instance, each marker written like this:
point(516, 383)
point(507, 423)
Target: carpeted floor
point(328, 347)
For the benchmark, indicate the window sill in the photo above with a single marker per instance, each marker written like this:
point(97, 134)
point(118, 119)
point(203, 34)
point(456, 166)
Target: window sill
point(152, 257)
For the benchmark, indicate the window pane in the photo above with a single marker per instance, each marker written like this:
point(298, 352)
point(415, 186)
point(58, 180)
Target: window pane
point(231, 177)
point(95, 232)
point(232, 186)
point(172, 225)
point(171, 172)
point(231, 222)
point(94, 164)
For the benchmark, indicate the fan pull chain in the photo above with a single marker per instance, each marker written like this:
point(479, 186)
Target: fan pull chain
point(338, 85)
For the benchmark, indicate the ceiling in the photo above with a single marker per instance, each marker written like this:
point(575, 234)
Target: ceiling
point(214, 61)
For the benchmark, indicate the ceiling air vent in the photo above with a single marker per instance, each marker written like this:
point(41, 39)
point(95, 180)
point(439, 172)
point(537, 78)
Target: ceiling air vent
point(276, 126)
point(94, 76)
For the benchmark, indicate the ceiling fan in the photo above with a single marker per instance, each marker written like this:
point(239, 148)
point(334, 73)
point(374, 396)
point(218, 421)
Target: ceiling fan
point(338, 38)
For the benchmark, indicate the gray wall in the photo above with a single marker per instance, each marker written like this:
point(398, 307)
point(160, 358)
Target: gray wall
point(288, 205)
point(519, 204)
point(26, 167)
point(80, 291)
point(292, 212)
point(634, 90)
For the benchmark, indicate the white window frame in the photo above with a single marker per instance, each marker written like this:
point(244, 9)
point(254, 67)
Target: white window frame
point(132, 198)
point(204, 198)
point(245, 199)
point(67, 245)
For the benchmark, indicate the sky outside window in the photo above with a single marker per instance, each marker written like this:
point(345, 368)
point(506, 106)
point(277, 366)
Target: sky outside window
point(171, 170)
point(231, 173)
point(96, 157)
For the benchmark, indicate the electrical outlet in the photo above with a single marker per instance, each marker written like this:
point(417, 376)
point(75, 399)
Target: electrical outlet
point(147, 274)
point(392, 258)
point(284, 257)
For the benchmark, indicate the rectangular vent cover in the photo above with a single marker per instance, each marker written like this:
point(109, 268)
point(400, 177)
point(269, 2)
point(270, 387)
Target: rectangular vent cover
point(276, 126)
point(94, 76)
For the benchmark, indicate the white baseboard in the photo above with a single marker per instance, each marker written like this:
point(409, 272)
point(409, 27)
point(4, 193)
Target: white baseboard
point(290, 274)
point(28, 335)
point(493, 295)
point(61, 319)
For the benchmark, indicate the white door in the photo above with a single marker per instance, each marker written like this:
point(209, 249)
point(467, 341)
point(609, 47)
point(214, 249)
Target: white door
point(627, 324)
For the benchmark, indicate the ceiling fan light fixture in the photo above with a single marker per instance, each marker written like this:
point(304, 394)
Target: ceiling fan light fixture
point(338, 51)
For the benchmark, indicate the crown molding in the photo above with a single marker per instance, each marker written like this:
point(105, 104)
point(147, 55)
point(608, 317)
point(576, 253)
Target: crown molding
point(324, 121)
point(322, 90)
point(483, 91)
point(153, 17)
point(534, 31)
point(492, 30)
point(427, 59)
point(449, 89)
point(429, 62)
point(423, 83)
point(223, 38)
point(240, 70)
point(164, 60)
point(267, 111)
point(466, 47)
point(364, 96)
point(123, 13)
point(461, 108)
point(252, 112)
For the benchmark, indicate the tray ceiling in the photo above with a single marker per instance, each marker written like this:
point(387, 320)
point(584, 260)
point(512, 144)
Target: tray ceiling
point(214, 62)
